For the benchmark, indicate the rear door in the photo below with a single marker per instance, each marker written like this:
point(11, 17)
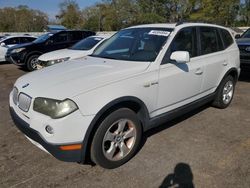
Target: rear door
point(213, 56)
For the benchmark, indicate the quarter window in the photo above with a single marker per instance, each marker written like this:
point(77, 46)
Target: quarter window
point(227, 38)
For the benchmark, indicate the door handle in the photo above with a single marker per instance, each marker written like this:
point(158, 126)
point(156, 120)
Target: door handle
point(225, 63)
point(151, 84)
point(199, 71)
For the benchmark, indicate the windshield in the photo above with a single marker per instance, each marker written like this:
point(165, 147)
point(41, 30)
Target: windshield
point(43, 38)
point(246, 34)
point(2, 38)
point(86, 44)
point(135, 44)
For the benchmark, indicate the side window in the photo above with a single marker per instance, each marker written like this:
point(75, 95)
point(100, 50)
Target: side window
point(87, 34)
point(14, 40)
point(75, 36)
point(26, 39)
point(60, 37)
point(227, 38)
point(219, 39)
point(185, 40)
point(23, 40)
point(30, 39)
point(209, 43)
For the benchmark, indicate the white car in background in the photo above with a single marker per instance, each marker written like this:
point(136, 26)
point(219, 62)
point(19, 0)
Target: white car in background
point(9, 41)
point(80, 49)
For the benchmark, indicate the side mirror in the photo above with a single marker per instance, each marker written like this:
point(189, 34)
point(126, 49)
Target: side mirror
point(3, 44)
point(180, 56)
point(237, 36)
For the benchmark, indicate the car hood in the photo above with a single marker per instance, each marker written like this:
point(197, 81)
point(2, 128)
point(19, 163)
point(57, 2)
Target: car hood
point(72, 78)
point(243, 41)
point(58, 54)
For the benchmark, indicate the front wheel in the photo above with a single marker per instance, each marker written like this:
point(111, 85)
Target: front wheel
point(224, 93)
point(32, 62)
point(117, 139)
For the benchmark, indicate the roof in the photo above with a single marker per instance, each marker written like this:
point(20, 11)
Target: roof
point(56, 27)
point(161, 25)
point(175, 25)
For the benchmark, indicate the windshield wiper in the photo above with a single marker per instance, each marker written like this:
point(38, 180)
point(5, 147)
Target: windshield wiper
point(106, 57)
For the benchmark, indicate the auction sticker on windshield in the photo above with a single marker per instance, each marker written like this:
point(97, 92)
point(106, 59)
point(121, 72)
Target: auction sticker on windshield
point(159, 33)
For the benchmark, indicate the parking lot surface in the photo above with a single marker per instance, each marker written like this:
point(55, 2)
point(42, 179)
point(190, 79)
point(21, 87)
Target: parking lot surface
point(205, 148)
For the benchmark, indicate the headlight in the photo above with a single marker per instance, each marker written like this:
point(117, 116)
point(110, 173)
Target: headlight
point(17, 50)
point(54, 108)
point(52, 62)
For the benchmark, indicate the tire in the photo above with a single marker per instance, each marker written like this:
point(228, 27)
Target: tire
point(30, 63)
point(117, 139)
point(225, 92)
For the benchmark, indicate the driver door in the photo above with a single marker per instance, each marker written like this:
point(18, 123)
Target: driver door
point(180, 83)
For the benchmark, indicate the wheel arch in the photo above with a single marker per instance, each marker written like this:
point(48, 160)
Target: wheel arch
point(32, 53)
point(232, 72)
point(130, 102)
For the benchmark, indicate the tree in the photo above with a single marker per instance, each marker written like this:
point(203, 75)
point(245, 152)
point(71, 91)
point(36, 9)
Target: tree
point(22, 19)
point(222, 12)
point(245, 12)
point(70, 15)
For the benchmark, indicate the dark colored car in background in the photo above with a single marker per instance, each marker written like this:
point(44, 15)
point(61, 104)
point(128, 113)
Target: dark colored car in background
point(27, 54)
point(244, 46)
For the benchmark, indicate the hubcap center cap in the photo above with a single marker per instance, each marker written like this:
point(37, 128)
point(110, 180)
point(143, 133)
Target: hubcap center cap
point(118, 138)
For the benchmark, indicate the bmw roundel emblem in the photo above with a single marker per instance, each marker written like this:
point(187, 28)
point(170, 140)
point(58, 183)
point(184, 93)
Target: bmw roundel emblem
point(26, 85)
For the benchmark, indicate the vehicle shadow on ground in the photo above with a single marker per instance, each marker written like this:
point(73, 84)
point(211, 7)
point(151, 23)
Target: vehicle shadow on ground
point(182, 177)
point(245, 74)
point(170, 123)
point(173, 122)
point(4, 62)
point(23, 69)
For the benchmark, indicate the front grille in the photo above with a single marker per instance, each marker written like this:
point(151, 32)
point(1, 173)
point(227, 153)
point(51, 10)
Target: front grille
point(24, 102)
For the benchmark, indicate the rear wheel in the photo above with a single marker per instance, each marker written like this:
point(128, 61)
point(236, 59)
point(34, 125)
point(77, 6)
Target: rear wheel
point(117, 139)
point(224, 93)
point(32, 62)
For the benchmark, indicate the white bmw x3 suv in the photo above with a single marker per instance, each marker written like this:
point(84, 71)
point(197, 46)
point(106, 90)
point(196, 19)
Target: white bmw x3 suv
point(96, 109)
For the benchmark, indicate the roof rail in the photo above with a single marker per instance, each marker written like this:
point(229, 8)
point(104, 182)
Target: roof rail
point(191, 21)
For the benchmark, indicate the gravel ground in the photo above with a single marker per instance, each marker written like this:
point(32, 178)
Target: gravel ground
point(205, 148)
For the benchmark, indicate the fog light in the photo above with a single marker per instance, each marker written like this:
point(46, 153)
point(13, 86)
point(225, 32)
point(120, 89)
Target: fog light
point(49, 129)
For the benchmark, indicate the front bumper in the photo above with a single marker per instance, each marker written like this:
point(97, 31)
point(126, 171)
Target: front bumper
point(245, 61)
point(16, 58)
point(53, 149)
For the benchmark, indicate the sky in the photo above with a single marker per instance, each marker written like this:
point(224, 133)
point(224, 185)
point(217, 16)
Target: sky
point(51, 7)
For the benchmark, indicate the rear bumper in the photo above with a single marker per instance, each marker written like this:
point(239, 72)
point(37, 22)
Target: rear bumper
point(63, 155)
